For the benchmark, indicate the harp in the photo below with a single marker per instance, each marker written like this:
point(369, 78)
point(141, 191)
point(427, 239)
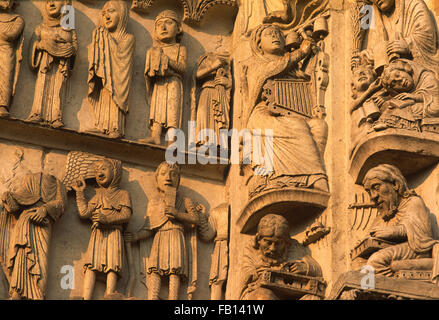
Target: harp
point(289, 96)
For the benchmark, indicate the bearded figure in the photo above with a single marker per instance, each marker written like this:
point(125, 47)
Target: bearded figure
point(403, 219)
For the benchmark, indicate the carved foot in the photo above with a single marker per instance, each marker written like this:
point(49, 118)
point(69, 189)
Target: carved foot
point(4, 112)
point(379, 126)
point(35, 118)
point(57, 123)
point(115, 135)
point(151, 140)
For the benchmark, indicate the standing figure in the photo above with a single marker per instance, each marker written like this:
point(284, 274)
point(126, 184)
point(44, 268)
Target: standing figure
point(164, 69)
point(212, 110)
point(11, 45)
point(165, 220)
point(110, 210)
point(217, 228)
point(53, 54)
point(111, 56)
point(38, 200)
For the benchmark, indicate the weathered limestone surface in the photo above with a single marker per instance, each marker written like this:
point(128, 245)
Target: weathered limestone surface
point(342, 101)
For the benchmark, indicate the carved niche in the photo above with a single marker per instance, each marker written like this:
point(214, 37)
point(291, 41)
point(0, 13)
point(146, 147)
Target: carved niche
point(398, 244)
point(395, 89)
point(284, 84)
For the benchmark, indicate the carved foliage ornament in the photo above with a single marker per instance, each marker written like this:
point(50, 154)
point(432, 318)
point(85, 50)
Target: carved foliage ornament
point(194, 10)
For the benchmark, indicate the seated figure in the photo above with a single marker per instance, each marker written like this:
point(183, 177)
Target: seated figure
point(269, 253)
point(402, 219)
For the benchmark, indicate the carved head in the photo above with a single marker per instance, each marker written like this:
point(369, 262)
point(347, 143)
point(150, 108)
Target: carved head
point(114, 16)
point(268, 39)
point(167, 27)
point(385, 5)
point(53, 8)
point(7, 4)
point(397, 77)
point(386, 185)
point(167, 175)
point(108, 173)
point(272, 238)
point(362, 77)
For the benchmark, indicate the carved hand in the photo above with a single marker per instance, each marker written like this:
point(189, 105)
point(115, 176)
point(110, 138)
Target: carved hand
point(398, 47)
point(130, 237)
point(79, 185)
point(201, 209)
point(409, 96)
point(98, 217)
point(298, 267)
point(381, 233)
point(171, 212)
point(38, 214)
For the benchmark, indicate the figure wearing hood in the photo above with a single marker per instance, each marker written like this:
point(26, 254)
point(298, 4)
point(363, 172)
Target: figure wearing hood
point(111, 62)
point(110, 210)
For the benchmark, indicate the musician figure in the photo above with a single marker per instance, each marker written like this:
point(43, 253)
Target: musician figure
point(269, 252)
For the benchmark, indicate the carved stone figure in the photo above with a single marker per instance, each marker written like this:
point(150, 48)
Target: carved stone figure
point(31, 206)
point(110, 210)
point(411, 94)
point(165, 220)
point(11, 44)
point(216, 228)
point(164, 69)
point(296, 159)
point(111, 56)
point(269, 253)
point(52, 57)
point(213, 107)
point(404, 29)
point(403, 220)
point(283, 12)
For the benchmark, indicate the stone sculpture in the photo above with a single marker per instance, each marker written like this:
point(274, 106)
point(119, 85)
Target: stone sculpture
point(165, 220)
point(403, 221)
point(30, 208)
point(111, 56)
point(11, 45)
point(53, 55)
point(296, 159)
point(213, 104)
point(164, 69)
point(216, 228)
point(109, 210)
point(269, 253)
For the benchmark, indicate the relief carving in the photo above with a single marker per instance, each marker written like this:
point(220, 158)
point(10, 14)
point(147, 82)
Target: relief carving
point(11, 46)
point(32, 204)
point(269, 274)
point(214, 79)
point(164, 69)
point(216, 228)
point(53, 52)
point(401, 236)
point(111, 55)
point(297, 161)
point(109, 210)
point(167, 217)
